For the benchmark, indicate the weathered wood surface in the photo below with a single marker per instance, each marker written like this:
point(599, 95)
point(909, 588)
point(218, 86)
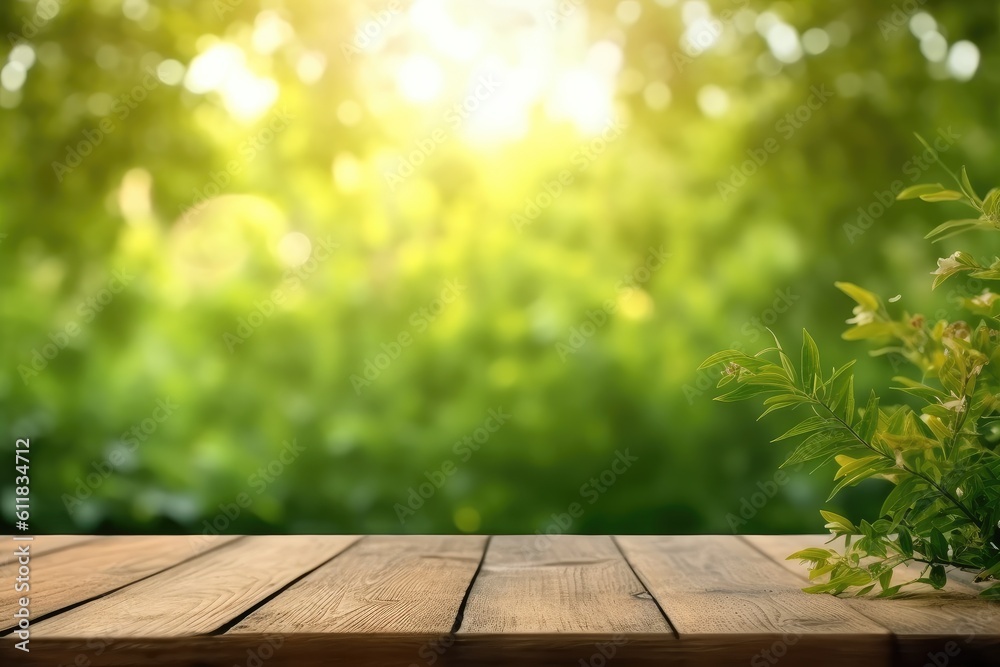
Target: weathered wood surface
point(922, 622)
point(67, 577)
point(469, 600)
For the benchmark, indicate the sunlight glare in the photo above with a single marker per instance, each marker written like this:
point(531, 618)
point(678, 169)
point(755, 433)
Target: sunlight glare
point(420, 79)
point(210, 68)
point(450, 48)
point(222, 68)
point(583, 97)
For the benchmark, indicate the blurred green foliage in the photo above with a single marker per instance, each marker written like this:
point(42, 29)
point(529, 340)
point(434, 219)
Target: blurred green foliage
point(505, 239)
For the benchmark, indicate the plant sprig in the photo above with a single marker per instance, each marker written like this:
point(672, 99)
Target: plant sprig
point(943, 511)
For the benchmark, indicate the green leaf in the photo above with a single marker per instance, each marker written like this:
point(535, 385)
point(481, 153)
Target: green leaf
point(869, 330)
point(871, 468)
point(786, 363)
point(905, 543)
point(860, 295)
point(953, 226)
point(849, 403)
point(820, 570)
point(768, 378)
point(723, 357)
point(843, 369)
point(774, 407)
point(852, 466)
point(991, 593)
point(903, 495)
point(869, 421)
point(939, 545)
point(915, 191)
point(865, 591)
point(812, 553)
point(986, 274)
point(838, 524)
point(816, 446)
point(919, 389)
point(787, 398)
point(746, 390)
point(811, 373)
point(967, 188)
point(889, 592)
point(938, 576)
point(944, 195)
point(991, 205)
point(809, 425)
point(908, 442)
point(993, 571)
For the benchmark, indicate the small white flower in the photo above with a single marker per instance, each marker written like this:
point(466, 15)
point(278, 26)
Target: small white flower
point(956, 403)
point(947, 265)
point(986, 299)
point(862, 316)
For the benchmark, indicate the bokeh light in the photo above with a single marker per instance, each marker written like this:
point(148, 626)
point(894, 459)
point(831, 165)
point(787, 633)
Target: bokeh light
point(365, 225)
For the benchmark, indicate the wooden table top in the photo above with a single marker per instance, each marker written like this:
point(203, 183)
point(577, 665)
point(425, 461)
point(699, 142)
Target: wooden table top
point(467, 600)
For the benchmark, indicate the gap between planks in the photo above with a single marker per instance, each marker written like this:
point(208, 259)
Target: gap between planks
point(59, 585)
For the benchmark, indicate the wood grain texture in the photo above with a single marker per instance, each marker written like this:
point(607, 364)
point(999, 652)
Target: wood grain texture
point(555, 600)
point(923, 621)
point(385, 584)
point(732, 603)
point(388, 601)
point(67, 577)
point(44, 544)
point(200, 595)
point(576, 584)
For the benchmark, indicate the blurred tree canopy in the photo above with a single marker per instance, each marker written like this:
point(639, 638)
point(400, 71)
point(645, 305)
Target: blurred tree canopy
point(434, 266)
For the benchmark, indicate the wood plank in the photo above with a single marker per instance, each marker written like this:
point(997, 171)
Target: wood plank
point(67, 577)
point(386, 584)
point(923, 621)
point(578, 584)
point(558, 600)
point(44, 544)
point(200, 595)
point(389, 600)
point(729, 602)
point(968, 579)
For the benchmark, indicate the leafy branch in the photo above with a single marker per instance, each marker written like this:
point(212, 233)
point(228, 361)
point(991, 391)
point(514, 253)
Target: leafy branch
point(944, 508)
